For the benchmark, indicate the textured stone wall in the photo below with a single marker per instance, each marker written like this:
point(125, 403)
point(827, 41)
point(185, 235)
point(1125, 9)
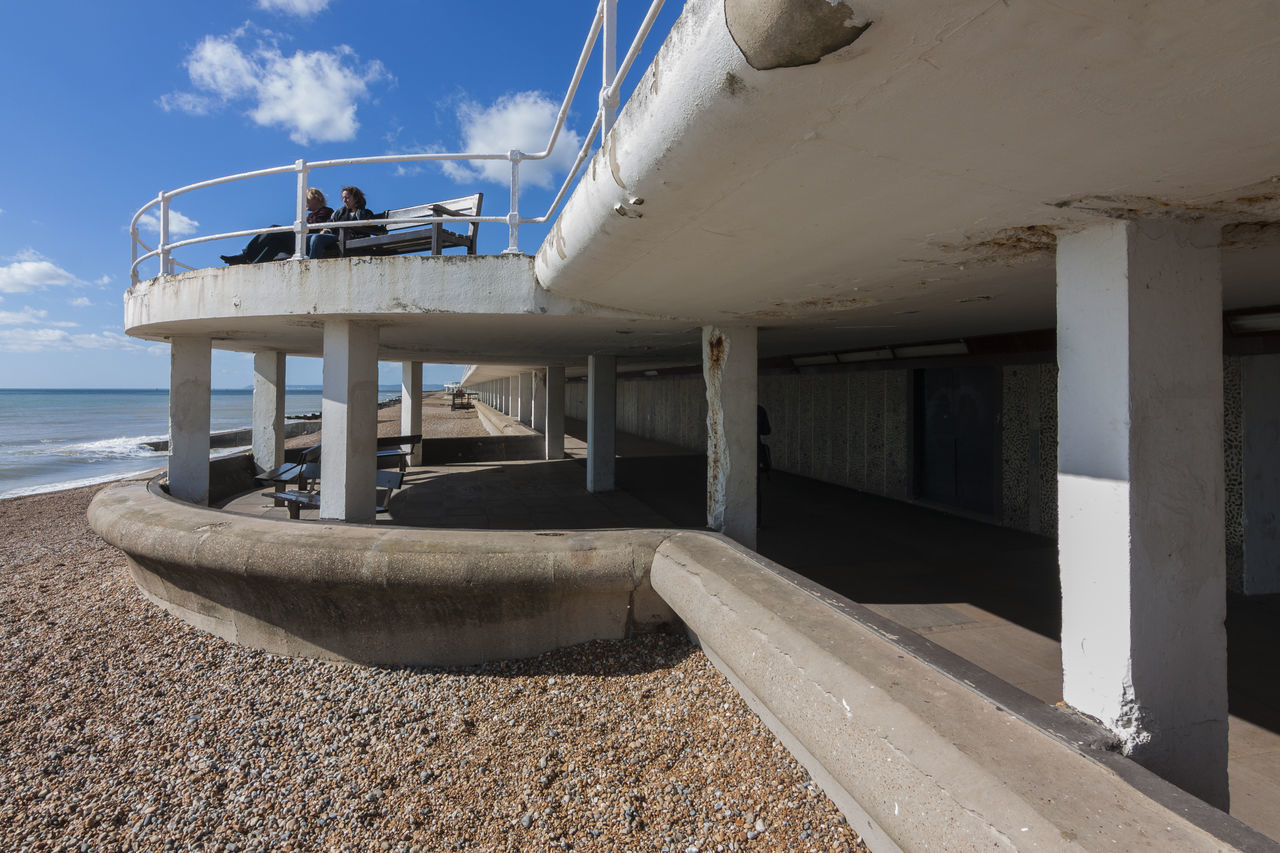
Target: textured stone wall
point(1029, 448)
point(1233, 468)
point(855, 429)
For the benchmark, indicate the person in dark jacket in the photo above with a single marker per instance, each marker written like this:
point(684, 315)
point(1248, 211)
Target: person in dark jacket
point(353, 209)
point(265, 247)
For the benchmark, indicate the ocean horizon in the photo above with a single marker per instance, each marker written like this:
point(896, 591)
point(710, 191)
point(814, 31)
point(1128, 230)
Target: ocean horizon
point(62, 438)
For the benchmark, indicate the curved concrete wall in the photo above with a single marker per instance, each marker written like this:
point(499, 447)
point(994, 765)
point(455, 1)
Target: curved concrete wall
point(380, 594)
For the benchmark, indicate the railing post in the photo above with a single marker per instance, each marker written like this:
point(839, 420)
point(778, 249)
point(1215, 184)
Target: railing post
point(165, 267)
point(133, 264)
point(609, 51)
point(513, 216)
point(300, 224)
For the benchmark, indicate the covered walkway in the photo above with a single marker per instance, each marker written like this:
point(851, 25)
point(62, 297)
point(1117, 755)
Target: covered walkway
point(988, 595)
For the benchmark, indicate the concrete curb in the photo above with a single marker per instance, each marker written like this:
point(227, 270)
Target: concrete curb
point(916, 759)
point(380, 594)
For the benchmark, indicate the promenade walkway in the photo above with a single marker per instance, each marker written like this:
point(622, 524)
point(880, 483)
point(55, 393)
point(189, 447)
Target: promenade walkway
point(988, 594)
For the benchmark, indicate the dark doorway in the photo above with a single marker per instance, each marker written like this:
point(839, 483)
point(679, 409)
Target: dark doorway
point(957, 436)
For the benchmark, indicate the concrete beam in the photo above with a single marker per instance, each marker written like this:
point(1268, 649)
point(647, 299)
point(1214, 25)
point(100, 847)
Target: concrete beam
point(349, 411)
point(189, 387)
point(729, 370)
point(554, 426)
point(268, 409)
point(602, 414)
point(1140, 493)
point(411, 406)
point(524, 399)
point(538, 401)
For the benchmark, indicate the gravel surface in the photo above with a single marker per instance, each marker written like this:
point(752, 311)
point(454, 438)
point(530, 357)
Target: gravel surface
point(438, 421)
point(123, 728)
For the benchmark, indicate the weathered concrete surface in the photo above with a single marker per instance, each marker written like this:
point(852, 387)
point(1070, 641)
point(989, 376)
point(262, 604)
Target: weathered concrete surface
point(915, 759)
point(380, 594)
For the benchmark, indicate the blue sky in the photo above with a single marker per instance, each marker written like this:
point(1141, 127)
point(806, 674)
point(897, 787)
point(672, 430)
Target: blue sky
point(107, 104)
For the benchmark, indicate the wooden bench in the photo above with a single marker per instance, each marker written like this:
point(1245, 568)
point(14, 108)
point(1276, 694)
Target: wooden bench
point(406, 238)
point(397, 447)
point(290, 472)
point(461, 400)
point(297, 500)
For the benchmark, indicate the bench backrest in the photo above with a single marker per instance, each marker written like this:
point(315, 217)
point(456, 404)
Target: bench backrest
point(466, 206)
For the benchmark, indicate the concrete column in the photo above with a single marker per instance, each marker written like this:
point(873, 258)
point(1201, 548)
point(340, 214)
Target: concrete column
point(554, 427)
point(349, 412)
point(268, 410)
point(1140, 493)
point(524, 403)
point(538, 401)
point(411, 405)
point(189, 366)
point(505, 385)
point(729, 370)
point(602, 412)
point(1260, 388)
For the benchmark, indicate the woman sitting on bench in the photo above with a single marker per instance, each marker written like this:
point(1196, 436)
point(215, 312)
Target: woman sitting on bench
point(353, 208)
point(265, 247)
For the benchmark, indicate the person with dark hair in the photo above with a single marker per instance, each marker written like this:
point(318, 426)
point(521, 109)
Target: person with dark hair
point(353, 209)
point(265, 247)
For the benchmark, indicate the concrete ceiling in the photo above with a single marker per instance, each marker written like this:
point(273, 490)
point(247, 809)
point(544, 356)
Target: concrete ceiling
point(909, 186)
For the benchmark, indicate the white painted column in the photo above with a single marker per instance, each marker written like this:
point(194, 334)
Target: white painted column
point(554, 427)
point(1140, 493)
point(524, 402)
point(729, 368)
point(411, 406)
point(349, 413)
point(602, 412)
point(189, 366)
point(1260, 389)
point(507, 395)
point(538, 401)
point(268, 409)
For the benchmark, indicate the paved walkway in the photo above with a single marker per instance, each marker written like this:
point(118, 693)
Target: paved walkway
point(986, 593)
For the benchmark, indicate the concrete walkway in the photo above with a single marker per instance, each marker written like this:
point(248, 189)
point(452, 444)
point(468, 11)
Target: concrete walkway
point(988, 594)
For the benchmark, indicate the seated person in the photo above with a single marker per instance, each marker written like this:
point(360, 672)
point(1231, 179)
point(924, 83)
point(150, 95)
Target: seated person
point(265, 247)
point(353, 208)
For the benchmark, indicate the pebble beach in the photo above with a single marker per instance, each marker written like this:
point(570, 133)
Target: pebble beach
point(123, 728)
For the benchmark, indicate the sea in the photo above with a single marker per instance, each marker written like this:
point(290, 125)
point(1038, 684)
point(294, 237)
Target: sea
point(62, 438)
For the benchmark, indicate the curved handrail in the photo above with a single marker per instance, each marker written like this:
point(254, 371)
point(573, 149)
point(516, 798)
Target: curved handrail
point(603, 21)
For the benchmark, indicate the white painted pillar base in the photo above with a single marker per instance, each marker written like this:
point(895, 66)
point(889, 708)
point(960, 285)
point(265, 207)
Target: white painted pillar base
point(1140, 493)
point(730, 371)
point(349, 414)
point(538, 401)
point(189, 366)
point(602, 412)
point(524, 402)
point(268, 409)
point(554, 426)
point(411, 406)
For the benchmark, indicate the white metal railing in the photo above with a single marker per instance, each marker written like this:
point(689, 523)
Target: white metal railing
point(613, 75)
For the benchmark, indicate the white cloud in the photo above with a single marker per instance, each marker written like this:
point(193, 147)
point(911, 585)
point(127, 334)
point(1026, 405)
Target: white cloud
point(302, 8)
point(311, 94)
point(102, 280)
point(30, 272)
point(179, 226)
point(19, 318)
point(44, 340)
point(81, 302)
point(522, 120)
